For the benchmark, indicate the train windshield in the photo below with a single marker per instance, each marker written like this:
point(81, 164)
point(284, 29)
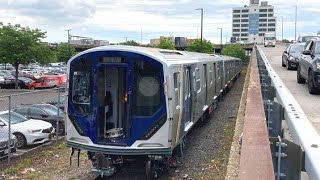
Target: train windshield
point(81, 88)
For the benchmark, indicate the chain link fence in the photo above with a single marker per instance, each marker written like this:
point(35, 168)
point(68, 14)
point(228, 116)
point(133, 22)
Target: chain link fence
point(29, 119)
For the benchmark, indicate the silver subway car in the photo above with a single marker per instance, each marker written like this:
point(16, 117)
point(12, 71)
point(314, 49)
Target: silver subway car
point(128, 102)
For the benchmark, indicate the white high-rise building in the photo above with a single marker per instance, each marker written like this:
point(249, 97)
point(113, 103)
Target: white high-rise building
point(249, 23)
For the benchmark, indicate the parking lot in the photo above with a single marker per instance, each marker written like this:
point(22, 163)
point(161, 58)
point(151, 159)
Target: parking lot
point(15, 98)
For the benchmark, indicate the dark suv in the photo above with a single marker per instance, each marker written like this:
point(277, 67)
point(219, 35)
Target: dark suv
point(309, 66)
point(46, 112)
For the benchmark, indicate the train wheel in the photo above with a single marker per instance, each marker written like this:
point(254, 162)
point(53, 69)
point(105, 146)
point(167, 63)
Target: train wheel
point(149, 170)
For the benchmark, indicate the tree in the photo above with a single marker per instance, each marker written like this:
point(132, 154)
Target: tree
point(65, 52)
point(195, 46)
point(166, 43)
point(130, 43)
point(20, 45)
point(234, 50)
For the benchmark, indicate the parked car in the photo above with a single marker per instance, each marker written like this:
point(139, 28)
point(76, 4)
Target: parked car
point(45, 112)
point(290, 56)
point(60, 104)
point(6, 74)
point(23, 83)
point(27, 131)
point(309, 66)
point(4, 136)
point(49, 81)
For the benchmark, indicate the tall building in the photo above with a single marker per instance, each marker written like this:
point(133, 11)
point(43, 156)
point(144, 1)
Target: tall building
point(249, 23)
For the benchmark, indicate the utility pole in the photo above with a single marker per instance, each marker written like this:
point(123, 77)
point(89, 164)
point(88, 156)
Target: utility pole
point(201, 33)
point(69, 38)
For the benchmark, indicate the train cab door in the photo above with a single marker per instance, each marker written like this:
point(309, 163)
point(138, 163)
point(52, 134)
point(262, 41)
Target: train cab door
point(112, 101)
point(187, 99)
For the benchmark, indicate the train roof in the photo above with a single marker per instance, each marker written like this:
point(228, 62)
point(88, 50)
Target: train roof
point(165, 56)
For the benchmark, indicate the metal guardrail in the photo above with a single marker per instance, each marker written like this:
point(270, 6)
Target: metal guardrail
point(300, 128)
point(255, 159)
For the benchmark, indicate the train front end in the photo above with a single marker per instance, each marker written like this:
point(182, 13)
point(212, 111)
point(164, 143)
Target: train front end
point(117, 108)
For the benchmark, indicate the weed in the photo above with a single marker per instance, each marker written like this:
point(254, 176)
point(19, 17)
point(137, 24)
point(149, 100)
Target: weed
point(32, 175)
point(18, 167)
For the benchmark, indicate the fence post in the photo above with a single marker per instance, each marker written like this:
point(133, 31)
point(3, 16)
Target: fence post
point(57, 129)
point(9, 133)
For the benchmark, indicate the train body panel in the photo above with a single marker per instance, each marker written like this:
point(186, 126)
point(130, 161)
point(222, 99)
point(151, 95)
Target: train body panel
point(132, 101)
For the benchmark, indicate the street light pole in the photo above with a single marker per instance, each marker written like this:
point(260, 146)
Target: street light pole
point(201, 37)
point(220, 39)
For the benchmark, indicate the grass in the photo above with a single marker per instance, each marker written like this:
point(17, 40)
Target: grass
point(17, 168)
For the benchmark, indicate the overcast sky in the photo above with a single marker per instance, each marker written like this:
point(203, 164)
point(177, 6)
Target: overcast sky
point(116, 20)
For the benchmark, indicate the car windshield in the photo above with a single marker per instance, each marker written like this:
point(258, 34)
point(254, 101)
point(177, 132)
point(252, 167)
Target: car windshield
point(296, 49)
point(53, 110)
point(25, 79)
point(270, 38)
point(15, 117)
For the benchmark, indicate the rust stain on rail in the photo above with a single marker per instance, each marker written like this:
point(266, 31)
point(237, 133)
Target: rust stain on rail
point(255, 160)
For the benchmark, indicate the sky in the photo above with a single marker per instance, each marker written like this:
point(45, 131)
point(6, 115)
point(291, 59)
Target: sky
point(120, 20)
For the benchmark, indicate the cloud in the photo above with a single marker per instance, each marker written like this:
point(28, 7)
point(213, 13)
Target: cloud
point(114, 20)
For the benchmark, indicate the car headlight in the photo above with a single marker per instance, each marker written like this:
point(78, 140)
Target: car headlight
point(318, 65)
point(34, 130)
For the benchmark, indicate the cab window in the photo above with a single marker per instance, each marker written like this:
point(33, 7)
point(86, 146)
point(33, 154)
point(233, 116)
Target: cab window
point(81, 85)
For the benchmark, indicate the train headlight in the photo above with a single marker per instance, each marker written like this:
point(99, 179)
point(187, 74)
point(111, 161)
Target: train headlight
point(150, 145)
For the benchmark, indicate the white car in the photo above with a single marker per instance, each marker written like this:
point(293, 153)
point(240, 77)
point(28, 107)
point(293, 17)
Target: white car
point(4, 136)
point(27, 131)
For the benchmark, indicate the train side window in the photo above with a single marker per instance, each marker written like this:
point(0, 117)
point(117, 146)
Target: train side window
point(218, 70)
point(198, 85)
point(176, 79)
point(187, 84)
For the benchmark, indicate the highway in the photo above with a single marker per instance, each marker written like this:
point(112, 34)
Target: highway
point(308, 102)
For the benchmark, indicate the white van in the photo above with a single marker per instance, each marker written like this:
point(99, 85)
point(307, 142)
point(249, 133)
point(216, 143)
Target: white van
point(270, 39)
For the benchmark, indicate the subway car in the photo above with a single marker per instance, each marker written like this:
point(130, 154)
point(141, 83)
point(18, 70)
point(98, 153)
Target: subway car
point(129, 103)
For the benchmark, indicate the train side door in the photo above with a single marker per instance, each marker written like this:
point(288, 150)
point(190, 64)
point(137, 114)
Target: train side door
point(187, 99)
